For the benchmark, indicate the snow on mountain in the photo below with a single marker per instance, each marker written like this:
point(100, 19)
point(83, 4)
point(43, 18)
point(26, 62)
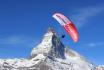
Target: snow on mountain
point(100, 67)
point(49, 54)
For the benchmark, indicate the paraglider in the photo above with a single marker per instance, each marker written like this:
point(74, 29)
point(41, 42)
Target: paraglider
point(63, 36)
point(68, 25)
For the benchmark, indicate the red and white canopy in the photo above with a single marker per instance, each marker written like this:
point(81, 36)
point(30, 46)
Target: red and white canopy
point(68, 25)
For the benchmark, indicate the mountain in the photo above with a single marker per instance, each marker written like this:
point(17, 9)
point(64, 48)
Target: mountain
point(100, 67)
point(49, 54)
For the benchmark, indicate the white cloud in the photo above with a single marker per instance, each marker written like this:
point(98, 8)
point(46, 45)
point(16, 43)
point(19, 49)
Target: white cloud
point(96, 44)
point(85, 13)
point(11, 40)
point(18, 40)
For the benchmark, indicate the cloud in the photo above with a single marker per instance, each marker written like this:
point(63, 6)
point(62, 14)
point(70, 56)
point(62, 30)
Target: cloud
point(91, 45)
point(18, 40)
point(11, 40)
point(85, 13)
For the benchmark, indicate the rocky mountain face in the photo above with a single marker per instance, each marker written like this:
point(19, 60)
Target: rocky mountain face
point(49, 54)
point(100, 68)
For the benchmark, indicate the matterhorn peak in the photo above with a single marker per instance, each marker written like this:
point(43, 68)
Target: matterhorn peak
point(50, 46)
point(50, 29)
point(57, 56)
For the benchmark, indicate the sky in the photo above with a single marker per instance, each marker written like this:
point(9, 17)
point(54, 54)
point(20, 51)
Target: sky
point(24, 22)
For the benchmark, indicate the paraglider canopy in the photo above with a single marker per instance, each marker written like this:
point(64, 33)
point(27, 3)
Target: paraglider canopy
point(67, 25)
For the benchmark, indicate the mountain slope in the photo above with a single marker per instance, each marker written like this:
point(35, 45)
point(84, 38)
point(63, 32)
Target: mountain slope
point(49, 54)
point(100, 67)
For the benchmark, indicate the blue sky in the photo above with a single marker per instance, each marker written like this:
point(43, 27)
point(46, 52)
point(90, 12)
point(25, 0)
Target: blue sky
point(23, 23)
